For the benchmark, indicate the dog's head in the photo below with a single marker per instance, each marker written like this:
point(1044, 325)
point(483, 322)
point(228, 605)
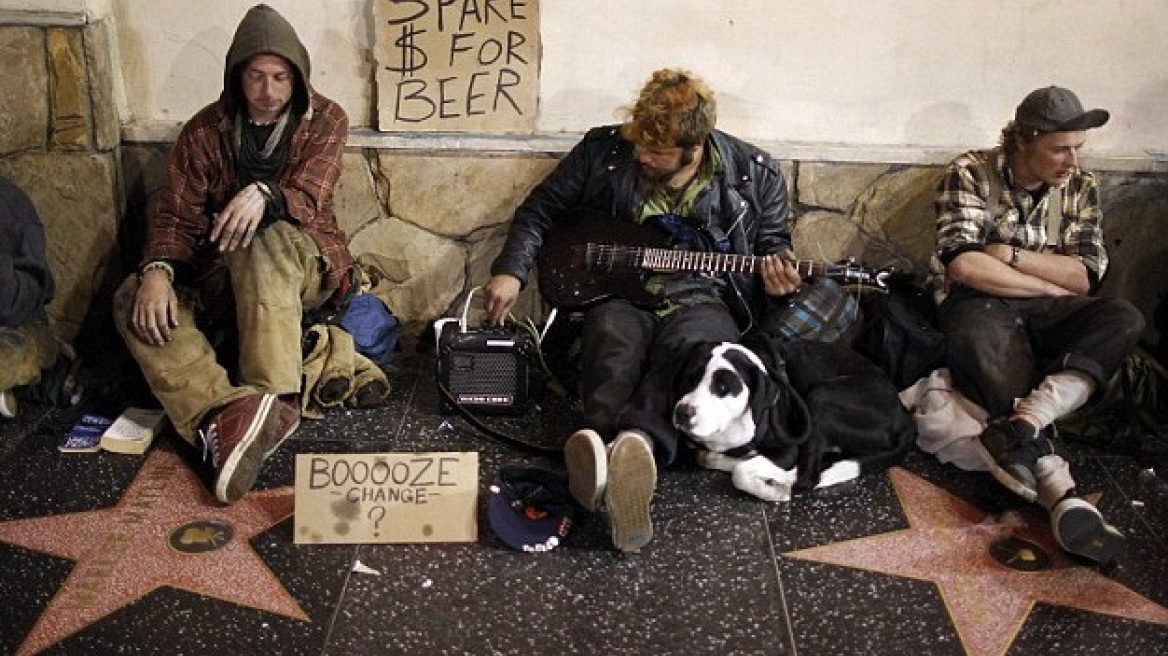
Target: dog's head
point(730, 400)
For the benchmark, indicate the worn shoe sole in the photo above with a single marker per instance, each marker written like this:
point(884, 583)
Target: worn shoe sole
point(587, 464)
point(239, 472)
point(1080, 529)
point(1002, 476)
point(632, 479)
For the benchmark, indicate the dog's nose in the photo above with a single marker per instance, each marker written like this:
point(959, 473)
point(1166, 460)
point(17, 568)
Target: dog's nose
point(683, 414)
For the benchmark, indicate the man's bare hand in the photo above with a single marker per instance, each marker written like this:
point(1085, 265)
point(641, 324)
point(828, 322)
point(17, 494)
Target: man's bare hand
point(155, 310)
point(779, 276)
point(500, 294)
point(237, 224)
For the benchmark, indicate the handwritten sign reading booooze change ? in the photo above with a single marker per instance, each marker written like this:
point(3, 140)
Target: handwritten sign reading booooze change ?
point(386, 498)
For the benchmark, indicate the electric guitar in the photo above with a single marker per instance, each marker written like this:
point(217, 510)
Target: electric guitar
point(595, 258)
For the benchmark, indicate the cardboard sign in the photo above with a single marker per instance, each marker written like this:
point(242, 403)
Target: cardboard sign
point(379, 498)
point(466, 66)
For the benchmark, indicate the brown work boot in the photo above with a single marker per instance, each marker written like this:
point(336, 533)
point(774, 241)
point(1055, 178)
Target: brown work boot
point(233, 436)
point(284, 422)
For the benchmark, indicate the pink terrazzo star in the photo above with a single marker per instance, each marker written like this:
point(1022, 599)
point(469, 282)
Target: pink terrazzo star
point(948, 542)
point(122, 553)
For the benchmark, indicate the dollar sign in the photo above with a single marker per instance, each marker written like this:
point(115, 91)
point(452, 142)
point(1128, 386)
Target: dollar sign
point(413, 58)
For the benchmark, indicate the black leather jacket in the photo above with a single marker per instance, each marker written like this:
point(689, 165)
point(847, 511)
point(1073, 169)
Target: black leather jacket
point(748, 202)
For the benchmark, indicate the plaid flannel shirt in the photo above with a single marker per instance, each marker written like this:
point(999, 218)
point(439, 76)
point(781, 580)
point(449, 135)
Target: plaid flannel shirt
point(201, 180)
point(964, 222)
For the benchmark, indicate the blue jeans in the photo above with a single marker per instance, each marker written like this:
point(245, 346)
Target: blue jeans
point(999, 349)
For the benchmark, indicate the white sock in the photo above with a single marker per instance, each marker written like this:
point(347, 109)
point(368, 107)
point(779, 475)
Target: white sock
point(1056, 396)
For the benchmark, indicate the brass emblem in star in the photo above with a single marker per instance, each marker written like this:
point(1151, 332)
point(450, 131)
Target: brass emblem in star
point(990, 570)
point(167, 530)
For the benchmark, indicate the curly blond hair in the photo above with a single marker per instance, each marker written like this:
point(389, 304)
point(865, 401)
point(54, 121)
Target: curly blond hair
point(675, 108)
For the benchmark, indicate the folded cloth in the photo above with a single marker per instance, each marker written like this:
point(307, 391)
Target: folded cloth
point(947, 422)
point(334, 374)
point(370, 384)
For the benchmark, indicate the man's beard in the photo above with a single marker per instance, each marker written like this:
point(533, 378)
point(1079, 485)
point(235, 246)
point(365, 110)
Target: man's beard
point(654, 180)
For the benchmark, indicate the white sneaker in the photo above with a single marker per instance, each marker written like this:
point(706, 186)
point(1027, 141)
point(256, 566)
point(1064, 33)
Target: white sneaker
point(8, 404)
point(632, 479)
point(1079, 528)
point(587, 463)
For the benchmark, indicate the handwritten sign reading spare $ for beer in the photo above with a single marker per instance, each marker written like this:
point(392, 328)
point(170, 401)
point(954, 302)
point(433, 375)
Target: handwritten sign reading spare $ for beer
point(386, 498)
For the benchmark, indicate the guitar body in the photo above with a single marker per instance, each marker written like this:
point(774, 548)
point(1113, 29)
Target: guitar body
point(573, 271)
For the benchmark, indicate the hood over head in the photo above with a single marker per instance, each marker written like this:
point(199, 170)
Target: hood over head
point(264, 31)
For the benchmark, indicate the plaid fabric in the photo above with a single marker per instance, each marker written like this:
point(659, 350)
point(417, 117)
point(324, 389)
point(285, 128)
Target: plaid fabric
point(821, 310)
point(963, 221)
point(201, 181)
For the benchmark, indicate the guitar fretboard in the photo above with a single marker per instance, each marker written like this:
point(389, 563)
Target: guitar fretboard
point(666, 260)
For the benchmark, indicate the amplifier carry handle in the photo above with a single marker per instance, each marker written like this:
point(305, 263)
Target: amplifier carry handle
point(466, 308)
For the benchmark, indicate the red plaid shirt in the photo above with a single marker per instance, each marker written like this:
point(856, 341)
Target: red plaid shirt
point(201, 180)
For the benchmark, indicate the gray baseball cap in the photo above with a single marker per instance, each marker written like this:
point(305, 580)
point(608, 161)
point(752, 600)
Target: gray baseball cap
point(1055, 109)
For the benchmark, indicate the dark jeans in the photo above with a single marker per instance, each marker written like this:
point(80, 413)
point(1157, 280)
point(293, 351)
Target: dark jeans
point(627, 360)
point(999, 349)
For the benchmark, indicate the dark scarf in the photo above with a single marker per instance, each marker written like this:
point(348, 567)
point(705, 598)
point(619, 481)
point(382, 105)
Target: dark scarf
point(262, 149)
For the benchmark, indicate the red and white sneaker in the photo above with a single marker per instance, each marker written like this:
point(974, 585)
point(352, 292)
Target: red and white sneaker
point(233, 436)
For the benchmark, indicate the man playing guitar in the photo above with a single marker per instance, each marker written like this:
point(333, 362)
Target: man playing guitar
point(668, 166)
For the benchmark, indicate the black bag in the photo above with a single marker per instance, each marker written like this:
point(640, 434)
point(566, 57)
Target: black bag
point(899, 333)
point(1134, 407)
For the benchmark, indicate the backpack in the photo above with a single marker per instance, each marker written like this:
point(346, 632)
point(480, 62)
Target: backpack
point(898, 332)
point(373, 327)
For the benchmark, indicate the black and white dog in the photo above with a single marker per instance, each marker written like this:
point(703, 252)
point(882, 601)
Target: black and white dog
point(782, 416)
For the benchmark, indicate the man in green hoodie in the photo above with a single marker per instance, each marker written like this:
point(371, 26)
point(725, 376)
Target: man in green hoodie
point(242, 242)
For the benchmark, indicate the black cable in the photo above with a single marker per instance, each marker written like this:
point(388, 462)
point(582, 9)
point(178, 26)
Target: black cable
point(508, 440)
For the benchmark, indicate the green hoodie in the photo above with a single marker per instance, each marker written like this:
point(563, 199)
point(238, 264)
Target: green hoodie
point(264, 31)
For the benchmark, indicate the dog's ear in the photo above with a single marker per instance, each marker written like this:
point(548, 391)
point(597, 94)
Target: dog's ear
point(769, 350)
point(785, 414)
point(754, 378)
point(780, 416)
point(688, 372)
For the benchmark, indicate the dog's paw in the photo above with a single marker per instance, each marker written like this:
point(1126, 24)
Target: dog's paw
point(839, 472)
point(764, 479)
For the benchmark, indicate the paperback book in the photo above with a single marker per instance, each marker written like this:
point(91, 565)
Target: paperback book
point(133, 430)
point(85, 435)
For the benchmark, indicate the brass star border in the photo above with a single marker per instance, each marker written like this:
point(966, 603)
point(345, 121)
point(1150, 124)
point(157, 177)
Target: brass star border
point(123, 553)
point(949, 542)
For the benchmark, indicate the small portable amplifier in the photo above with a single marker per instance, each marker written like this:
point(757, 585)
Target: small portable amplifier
point(485, 370)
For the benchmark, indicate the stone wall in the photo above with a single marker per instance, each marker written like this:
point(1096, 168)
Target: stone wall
point(59, 141)
point(442, 217)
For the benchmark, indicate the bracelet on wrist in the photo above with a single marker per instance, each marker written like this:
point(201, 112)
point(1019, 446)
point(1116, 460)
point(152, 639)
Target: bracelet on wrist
point(157, 265)
point(1015, 256)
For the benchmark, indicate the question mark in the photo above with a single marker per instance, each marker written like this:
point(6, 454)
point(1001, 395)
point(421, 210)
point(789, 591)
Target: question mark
point(380, 512)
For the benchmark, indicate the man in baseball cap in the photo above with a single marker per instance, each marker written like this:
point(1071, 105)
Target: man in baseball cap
point(1020, 242)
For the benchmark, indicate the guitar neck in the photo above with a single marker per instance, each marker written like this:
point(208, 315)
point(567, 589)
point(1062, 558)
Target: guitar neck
point(671, 261)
